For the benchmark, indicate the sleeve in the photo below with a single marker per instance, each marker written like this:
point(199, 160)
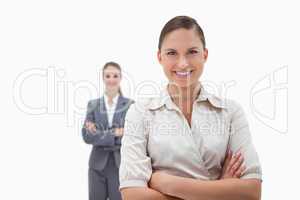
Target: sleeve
point(101, 137)
point(240, 139)
point(118, 141)
point(135, 167)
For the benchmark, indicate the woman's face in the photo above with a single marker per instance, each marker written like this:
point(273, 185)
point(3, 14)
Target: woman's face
point(182, 56)
point(112, 78)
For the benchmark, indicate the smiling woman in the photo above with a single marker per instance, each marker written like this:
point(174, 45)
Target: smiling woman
point(103, 129)
point(187, 143)
point(182, 51)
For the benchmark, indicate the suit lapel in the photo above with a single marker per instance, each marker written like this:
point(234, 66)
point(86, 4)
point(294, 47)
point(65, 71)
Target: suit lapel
point(102, 113)
point(119, 109)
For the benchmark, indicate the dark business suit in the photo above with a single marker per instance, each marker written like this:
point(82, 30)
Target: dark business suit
point(105, 156)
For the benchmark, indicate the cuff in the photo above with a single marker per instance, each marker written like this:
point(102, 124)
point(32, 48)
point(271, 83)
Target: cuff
point(133, 183)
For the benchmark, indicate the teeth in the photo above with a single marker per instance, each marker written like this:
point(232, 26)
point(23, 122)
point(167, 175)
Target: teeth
point(183, 73)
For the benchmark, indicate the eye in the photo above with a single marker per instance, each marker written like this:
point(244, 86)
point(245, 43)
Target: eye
point(107, 76)
point(116, 76)
point(193, 51)
point(171, 53)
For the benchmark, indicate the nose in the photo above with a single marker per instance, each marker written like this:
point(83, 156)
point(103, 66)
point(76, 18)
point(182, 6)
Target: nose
point(182, 63)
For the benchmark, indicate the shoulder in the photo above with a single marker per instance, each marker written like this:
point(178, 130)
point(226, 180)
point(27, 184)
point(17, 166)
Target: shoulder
point(94, 101)
point(232, 108)
point(92, 104)
point(139, 110)
point(127, 100)
point(229, 105)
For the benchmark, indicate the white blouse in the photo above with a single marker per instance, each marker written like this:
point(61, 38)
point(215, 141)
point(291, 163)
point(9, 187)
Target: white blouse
point(158, 137)
point(110, 109)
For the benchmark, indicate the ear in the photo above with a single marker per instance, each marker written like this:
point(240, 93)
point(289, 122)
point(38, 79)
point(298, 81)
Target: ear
point(159, 56)
point(205, 54)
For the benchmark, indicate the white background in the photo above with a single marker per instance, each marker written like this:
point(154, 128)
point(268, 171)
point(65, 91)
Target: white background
point(41, 150)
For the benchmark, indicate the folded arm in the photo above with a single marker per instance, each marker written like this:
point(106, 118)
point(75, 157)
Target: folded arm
point(93, 135)
point(98, 137)
point(193, 189)
point(144, 193)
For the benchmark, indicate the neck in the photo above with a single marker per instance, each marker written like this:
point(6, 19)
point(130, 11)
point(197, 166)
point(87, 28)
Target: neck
point(184, 94)
point(111, 94)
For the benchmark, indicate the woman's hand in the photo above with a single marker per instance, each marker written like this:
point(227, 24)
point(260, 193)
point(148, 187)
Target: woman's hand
point(90, 126)
point(233, 166)
point(119, 132)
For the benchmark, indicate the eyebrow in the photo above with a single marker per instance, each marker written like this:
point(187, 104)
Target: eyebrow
point(195, 48)
point(111, 73)
point(170, 49)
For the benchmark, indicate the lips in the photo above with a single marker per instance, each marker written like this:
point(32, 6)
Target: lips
point(183, 74)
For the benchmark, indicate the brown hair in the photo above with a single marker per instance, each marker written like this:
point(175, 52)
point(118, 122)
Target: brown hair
point(181, 22)
point(115, 65)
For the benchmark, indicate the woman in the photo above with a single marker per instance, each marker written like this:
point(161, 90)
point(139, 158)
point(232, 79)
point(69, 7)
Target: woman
point(180, 145)
point(103, 128)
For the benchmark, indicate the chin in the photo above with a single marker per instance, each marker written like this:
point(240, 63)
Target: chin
point(183, 84)
point(112, 88)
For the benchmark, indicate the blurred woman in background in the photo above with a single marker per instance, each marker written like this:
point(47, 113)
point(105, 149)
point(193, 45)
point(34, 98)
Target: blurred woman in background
point(103, 128)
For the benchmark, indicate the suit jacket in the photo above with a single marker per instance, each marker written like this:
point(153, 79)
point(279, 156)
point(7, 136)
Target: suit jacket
point(104, 142)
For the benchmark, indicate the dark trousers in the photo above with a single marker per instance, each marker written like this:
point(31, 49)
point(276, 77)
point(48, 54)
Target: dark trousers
point(105, 183)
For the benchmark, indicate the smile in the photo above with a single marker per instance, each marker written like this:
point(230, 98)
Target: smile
point(183, 74)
